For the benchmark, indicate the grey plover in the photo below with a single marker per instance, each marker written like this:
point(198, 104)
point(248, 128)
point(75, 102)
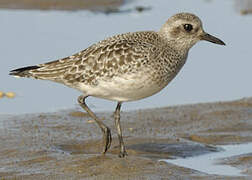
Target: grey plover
point(125, 67)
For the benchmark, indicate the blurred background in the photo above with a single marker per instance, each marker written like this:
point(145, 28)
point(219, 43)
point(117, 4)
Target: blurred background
point(38, 31)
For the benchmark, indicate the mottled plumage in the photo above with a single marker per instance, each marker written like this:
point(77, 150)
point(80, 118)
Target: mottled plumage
point(140, 60)
point(125, 67)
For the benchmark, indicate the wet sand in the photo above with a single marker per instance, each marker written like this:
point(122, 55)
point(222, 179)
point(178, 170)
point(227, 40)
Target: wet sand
point(60, 4)
point(97, 6)
point(67, 144)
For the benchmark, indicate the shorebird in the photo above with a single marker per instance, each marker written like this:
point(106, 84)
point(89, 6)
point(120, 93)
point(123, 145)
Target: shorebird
point(125, 67)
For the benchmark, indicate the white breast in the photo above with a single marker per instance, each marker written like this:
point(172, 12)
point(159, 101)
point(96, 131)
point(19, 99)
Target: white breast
point(123, 88)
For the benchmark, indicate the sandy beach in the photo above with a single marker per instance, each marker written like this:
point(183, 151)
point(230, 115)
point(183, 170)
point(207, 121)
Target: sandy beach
point(67, 144)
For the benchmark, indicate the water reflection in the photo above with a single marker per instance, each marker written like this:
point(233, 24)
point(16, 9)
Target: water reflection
point(207, 163)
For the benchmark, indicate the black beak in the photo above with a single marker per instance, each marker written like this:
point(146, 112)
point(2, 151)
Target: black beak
point(210, 38)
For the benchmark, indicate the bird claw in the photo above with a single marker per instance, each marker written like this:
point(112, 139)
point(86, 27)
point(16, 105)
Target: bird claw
point(122, 154)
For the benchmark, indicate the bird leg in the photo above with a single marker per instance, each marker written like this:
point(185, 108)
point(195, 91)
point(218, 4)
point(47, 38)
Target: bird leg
point(106, 131)
point(119, 131)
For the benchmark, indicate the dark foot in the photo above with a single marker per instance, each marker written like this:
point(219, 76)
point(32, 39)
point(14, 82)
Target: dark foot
point(106, 139)
point(122, 154)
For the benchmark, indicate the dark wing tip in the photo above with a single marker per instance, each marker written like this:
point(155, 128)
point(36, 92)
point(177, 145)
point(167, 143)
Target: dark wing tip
point(22, 71)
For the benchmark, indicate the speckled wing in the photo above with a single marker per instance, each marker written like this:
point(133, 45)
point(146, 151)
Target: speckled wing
point(108, 58)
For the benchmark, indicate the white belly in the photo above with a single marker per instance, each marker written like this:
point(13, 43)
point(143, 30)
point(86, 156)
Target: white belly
point(124, 88)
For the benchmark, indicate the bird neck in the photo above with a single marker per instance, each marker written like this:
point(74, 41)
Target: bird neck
point(178, 44)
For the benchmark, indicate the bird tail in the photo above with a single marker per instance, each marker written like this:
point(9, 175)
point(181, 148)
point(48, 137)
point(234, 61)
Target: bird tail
point(23, 72)
point(53, 70)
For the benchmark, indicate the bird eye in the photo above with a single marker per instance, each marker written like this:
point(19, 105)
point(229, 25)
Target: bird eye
point(188, 27)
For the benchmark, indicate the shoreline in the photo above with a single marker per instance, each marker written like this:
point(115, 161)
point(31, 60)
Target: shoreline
point(60, 4)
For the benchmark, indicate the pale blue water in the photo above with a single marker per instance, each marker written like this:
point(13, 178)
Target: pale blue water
point(207, 163)
point(211, 73)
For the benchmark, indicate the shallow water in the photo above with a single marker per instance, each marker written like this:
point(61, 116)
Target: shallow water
point(207, 163)
point(211, 73)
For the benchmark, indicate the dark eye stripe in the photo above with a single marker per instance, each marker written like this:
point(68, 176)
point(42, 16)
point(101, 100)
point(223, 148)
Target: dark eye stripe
point(188, 27)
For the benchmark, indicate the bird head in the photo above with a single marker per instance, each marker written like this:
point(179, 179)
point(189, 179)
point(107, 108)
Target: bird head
point(183, 30)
